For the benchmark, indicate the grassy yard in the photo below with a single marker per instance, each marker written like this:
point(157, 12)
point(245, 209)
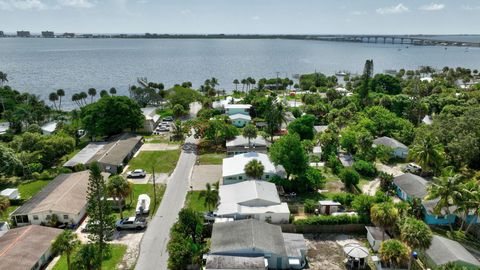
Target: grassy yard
point(160, 139)
point(195, 202)
point(162, 161)
point(211, 158)
point(165, 112)
point(117, 252)
point(143, 189)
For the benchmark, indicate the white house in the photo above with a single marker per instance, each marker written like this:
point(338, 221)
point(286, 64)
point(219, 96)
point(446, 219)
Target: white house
point(65, 196)
point(240, 145)
point(375, 237)
point(233, 168)
point(11, 193)
point(400, 150)
point(252, 199)
point(231, 109)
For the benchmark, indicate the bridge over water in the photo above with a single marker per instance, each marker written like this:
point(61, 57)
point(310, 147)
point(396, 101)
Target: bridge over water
point(395, 39)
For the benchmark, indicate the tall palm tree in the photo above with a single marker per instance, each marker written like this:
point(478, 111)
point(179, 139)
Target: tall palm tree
point(448, 190)
point(416, 234)
point(254, 169)
point(428, 153)
point(384, 215)
point(83, 97)
point(3, 78)
point(103, 93)
point(92, 92)
point(214, 82)
point(119, 189)
point(394, 252)
point(210, 195)
point(243, 81)
point(236, 82)
point(53, 97)
point(66, 243)
point(249, 132)
point(60, 94)
point(113, 91)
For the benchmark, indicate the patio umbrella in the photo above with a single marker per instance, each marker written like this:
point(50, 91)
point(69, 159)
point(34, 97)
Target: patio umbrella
point(355, 251)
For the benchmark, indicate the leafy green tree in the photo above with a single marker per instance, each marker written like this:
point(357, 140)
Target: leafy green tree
point(387, 84)
point(386, 182)
point(303, 126)
point(101, 222)
point(182, 96)
point(384, 215)
point(118, 188)
point(249, 132)
point(363, 203)
point(10, 164)
point(178, 110)
point(210, 195)
point(428, 153)
point(453, 266)
point(349, 177)
point(144, 96)
point(289, 153)
point(254, 169)
point(312, 180)
point(416, 234)
point(66, 243)
point(86, 258)
point(329, 142)
point(394, 252)
point(4, 203)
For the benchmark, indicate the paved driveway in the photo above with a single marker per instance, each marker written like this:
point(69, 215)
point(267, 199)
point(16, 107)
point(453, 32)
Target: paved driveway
point(153, 249)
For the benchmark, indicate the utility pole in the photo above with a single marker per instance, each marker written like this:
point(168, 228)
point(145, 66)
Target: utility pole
point(154, 189)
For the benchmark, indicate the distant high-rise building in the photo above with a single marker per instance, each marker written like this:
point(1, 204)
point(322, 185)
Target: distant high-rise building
point(2, 34)
point(68, 35)
point(23, 33)
point(48, 34)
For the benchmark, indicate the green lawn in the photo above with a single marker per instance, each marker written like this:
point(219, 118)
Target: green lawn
point(194, 201)
point(27, 190)
point(117, 252)
point(160, 139)
point(162, 161)
point(142, 189)
point(211, 158)
point(165, 112)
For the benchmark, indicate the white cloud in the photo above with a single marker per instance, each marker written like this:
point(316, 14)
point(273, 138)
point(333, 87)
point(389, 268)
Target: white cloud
point(432, 7)
point(22, 4)
point(400, 8)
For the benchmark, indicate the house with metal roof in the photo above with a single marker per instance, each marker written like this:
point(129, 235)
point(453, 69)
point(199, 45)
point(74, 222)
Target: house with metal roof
point(233, 168)
point(376, 236)
point(151, 118)
point(240, 145)
point(232, 109)
point(85, 155)
point(400, 150)
point(240, 120)
point(252, 199)
point(27, 248)
point(410, 186)
point(251, 238)
point(443, 250)
point(65, 196)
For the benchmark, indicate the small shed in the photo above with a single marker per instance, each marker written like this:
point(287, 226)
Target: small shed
point(328, 207)
point(11, 193)
point(376, 236)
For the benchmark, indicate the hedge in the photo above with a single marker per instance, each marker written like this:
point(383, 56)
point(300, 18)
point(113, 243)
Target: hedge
point(333, 220)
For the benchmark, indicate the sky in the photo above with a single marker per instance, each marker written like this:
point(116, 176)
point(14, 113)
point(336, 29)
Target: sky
point(242, 16)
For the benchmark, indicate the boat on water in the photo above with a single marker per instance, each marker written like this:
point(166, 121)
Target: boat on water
point(143, 204)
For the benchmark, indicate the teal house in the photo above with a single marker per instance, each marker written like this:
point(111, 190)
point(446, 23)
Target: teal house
point(410, 186)
point(232, 109)
point(240, 120)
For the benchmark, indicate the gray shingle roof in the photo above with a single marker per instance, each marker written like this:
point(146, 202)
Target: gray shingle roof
point(414, 185)
point(117, 149)
point(242, 141)
point(234, 262)
point(443, 250)
point(243, 235)
point(377, 233)
point(431, 204)
point(390, 142)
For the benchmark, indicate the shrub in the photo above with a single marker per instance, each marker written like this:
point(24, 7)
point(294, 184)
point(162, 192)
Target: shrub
point(35, 167)
point(79, 167)
point(334, 164)
point(362, 203)
point(386, 182)
point(349, 177)
point(365, 168)
point(36, 176)
point(333, 220)
point(344, 198)
point(310, 206)
point(45, 175)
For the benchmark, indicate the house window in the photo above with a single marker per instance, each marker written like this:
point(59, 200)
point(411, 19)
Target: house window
point(267, 176)
point(65, 217)
point(48, 217)
point(35, 217)
point(240, 178)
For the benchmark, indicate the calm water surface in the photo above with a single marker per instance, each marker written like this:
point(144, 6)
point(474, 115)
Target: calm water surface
point(40, 66)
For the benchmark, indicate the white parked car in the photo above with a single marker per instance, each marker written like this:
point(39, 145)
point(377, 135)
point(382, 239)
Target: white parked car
point(131, 223)
point(143, 204)
point(136, 173)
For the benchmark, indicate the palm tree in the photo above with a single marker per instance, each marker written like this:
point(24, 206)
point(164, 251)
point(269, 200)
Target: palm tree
point(103, 93)
point(449, 192)
point(92, 92)
point(214, 82)
point(178, 110)
point(473, 202)
point(384, 215)
point(3, 78)
point(119, 189)
point(210, 195)
point(83, 97)
point(60, 94)
point(113, 91)
point(243, 81)
point(236, 82)
point(87, 257)
point(53, 97)
point(178, 130)
point(416, 234)
point(66, 243)
point(428, 153)
point(394, 252)
point(249, 132)
point(4, 203)
point(254, 169)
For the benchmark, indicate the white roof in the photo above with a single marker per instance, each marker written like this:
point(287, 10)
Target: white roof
point(85, 154)
point(238, 106)
point(49, 127)
point(235, 165)
point(240, 116)
point(427, 120)
point(4, 127)
point(331, 203)
point(150, 113)
point(250, 197)
point(426, 79)
point(317, 149)
point(242, 141)
point(9, 191)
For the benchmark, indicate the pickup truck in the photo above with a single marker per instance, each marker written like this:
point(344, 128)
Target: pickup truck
point(131, 223)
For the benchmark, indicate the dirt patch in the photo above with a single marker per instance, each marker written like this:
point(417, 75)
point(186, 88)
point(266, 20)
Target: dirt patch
point(334, 186)
point(203, 174)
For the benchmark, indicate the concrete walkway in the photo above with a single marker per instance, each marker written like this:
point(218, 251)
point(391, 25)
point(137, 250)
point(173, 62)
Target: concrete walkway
point(153, 249)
